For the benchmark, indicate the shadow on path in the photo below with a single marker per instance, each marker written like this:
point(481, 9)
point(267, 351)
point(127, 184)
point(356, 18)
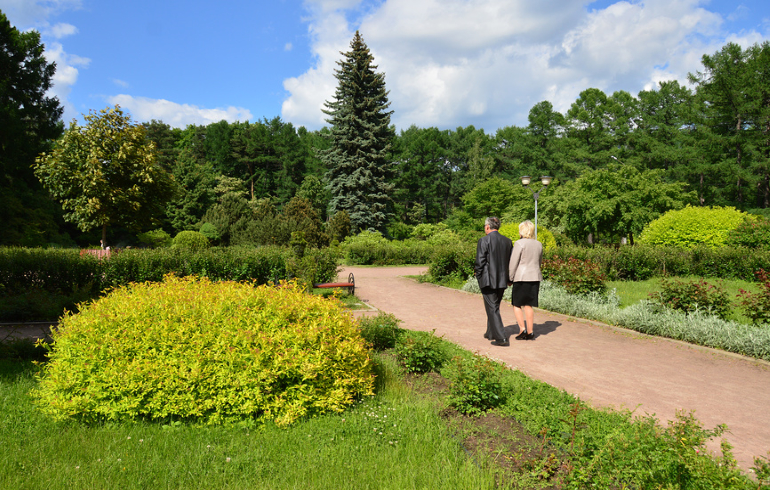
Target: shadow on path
point(543, 328)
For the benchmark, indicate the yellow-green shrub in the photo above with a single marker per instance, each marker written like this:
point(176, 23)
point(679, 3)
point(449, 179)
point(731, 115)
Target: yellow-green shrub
point(209, 352)
point(511, 230)
point(693, 226)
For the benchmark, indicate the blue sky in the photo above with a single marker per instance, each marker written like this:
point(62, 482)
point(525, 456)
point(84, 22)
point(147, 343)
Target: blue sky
point(447, 63)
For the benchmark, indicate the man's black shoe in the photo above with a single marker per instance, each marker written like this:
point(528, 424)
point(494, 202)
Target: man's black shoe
point(501, 343)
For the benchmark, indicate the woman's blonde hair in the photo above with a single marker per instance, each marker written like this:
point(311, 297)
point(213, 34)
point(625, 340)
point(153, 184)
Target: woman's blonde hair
point(527, 229)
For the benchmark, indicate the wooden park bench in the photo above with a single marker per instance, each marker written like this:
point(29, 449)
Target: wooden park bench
point(350, 285)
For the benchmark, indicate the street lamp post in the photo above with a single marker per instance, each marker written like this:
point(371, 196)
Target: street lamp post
point(545, 180)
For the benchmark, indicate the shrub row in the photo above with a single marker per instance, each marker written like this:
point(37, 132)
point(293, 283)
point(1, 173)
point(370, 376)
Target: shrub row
point(642, 262)
point(582, 447)
point(27, 275)
point(453, 261)
point(384, 252)
point(631, 263)
point(261, 265)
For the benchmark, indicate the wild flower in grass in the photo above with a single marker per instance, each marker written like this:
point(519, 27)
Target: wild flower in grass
point(227, 460)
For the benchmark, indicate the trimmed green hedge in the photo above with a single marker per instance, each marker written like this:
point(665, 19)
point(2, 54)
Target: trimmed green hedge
point(48, 269)
point(38, 284)
point(384, 252)
point(262, 265)
point(453, 261)
point(640, 262)
point(630, 263)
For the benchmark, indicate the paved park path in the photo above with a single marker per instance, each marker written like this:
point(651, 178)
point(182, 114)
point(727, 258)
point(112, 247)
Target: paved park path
point(602, 365)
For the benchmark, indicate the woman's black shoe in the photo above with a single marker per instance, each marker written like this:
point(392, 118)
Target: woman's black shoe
point(501, 343)
point(522, 336)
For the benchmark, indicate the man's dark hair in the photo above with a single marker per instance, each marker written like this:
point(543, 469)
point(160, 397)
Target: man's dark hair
point(493, 223)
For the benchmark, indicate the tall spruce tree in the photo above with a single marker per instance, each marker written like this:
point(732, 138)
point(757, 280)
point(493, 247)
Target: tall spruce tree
point(358, 158)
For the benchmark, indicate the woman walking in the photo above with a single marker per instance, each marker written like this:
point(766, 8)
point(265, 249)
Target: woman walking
point(524, 272)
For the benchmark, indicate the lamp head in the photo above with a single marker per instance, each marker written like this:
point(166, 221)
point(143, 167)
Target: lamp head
point(525, 180)
point(545, 180)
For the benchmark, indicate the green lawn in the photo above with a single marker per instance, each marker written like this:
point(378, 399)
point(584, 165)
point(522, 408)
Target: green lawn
point(388, 441)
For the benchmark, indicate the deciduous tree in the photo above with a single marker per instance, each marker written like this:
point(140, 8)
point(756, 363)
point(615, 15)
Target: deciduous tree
point(617, 201)
point(106, 173)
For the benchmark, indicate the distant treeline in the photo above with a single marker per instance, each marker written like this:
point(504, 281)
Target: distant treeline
point(713, 140)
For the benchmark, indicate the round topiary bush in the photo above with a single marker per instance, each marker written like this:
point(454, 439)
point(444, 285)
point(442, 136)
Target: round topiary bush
point(190, 240)
point(511, 230)
point(208, 352)
point(693, 226)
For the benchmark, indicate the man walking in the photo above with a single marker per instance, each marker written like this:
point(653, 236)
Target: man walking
point(493, 253)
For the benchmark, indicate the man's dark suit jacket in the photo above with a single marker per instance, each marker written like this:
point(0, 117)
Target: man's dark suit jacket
point(493, 252)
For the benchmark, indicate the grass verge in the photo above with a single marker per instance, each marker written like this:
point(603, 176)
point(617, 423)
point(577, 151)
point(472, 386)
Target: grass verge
point(406, 436)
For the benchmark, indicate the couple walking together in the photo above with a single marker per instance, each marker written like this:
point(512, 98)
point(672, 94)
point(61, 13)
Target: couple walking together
point(501, 263)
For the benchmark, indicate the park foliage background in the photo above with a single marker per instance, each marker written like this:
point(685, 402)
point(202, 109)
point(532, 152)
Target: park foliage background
point(618, 160)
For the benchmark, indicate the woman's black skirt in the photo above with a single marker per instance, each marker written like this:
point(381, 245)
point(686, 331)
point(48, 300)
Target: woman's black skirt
point(525, 293)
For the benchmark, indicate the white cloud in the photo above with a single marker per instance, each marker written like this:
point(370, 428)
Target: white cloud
point(65, 77)
point(452, 63)
point(61, 30)
point(120, 83)
point(144, 109)
point(309, 91)
point(26, 14)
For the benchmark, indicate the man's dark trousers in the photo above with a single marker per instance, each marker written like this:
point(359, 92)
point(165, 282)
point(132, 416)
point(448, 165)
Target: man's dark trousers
point(492, 299)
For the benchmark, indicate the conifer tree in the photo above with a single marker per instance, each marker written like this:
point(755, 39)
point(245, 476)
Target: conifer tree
point(358, 158)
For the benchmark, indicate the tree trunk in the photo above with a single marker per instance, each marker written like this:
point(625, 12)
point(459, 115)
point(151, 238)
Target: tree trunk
point(700, 191)
point(251, 171)
point(104, 236)
point(762, 192)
